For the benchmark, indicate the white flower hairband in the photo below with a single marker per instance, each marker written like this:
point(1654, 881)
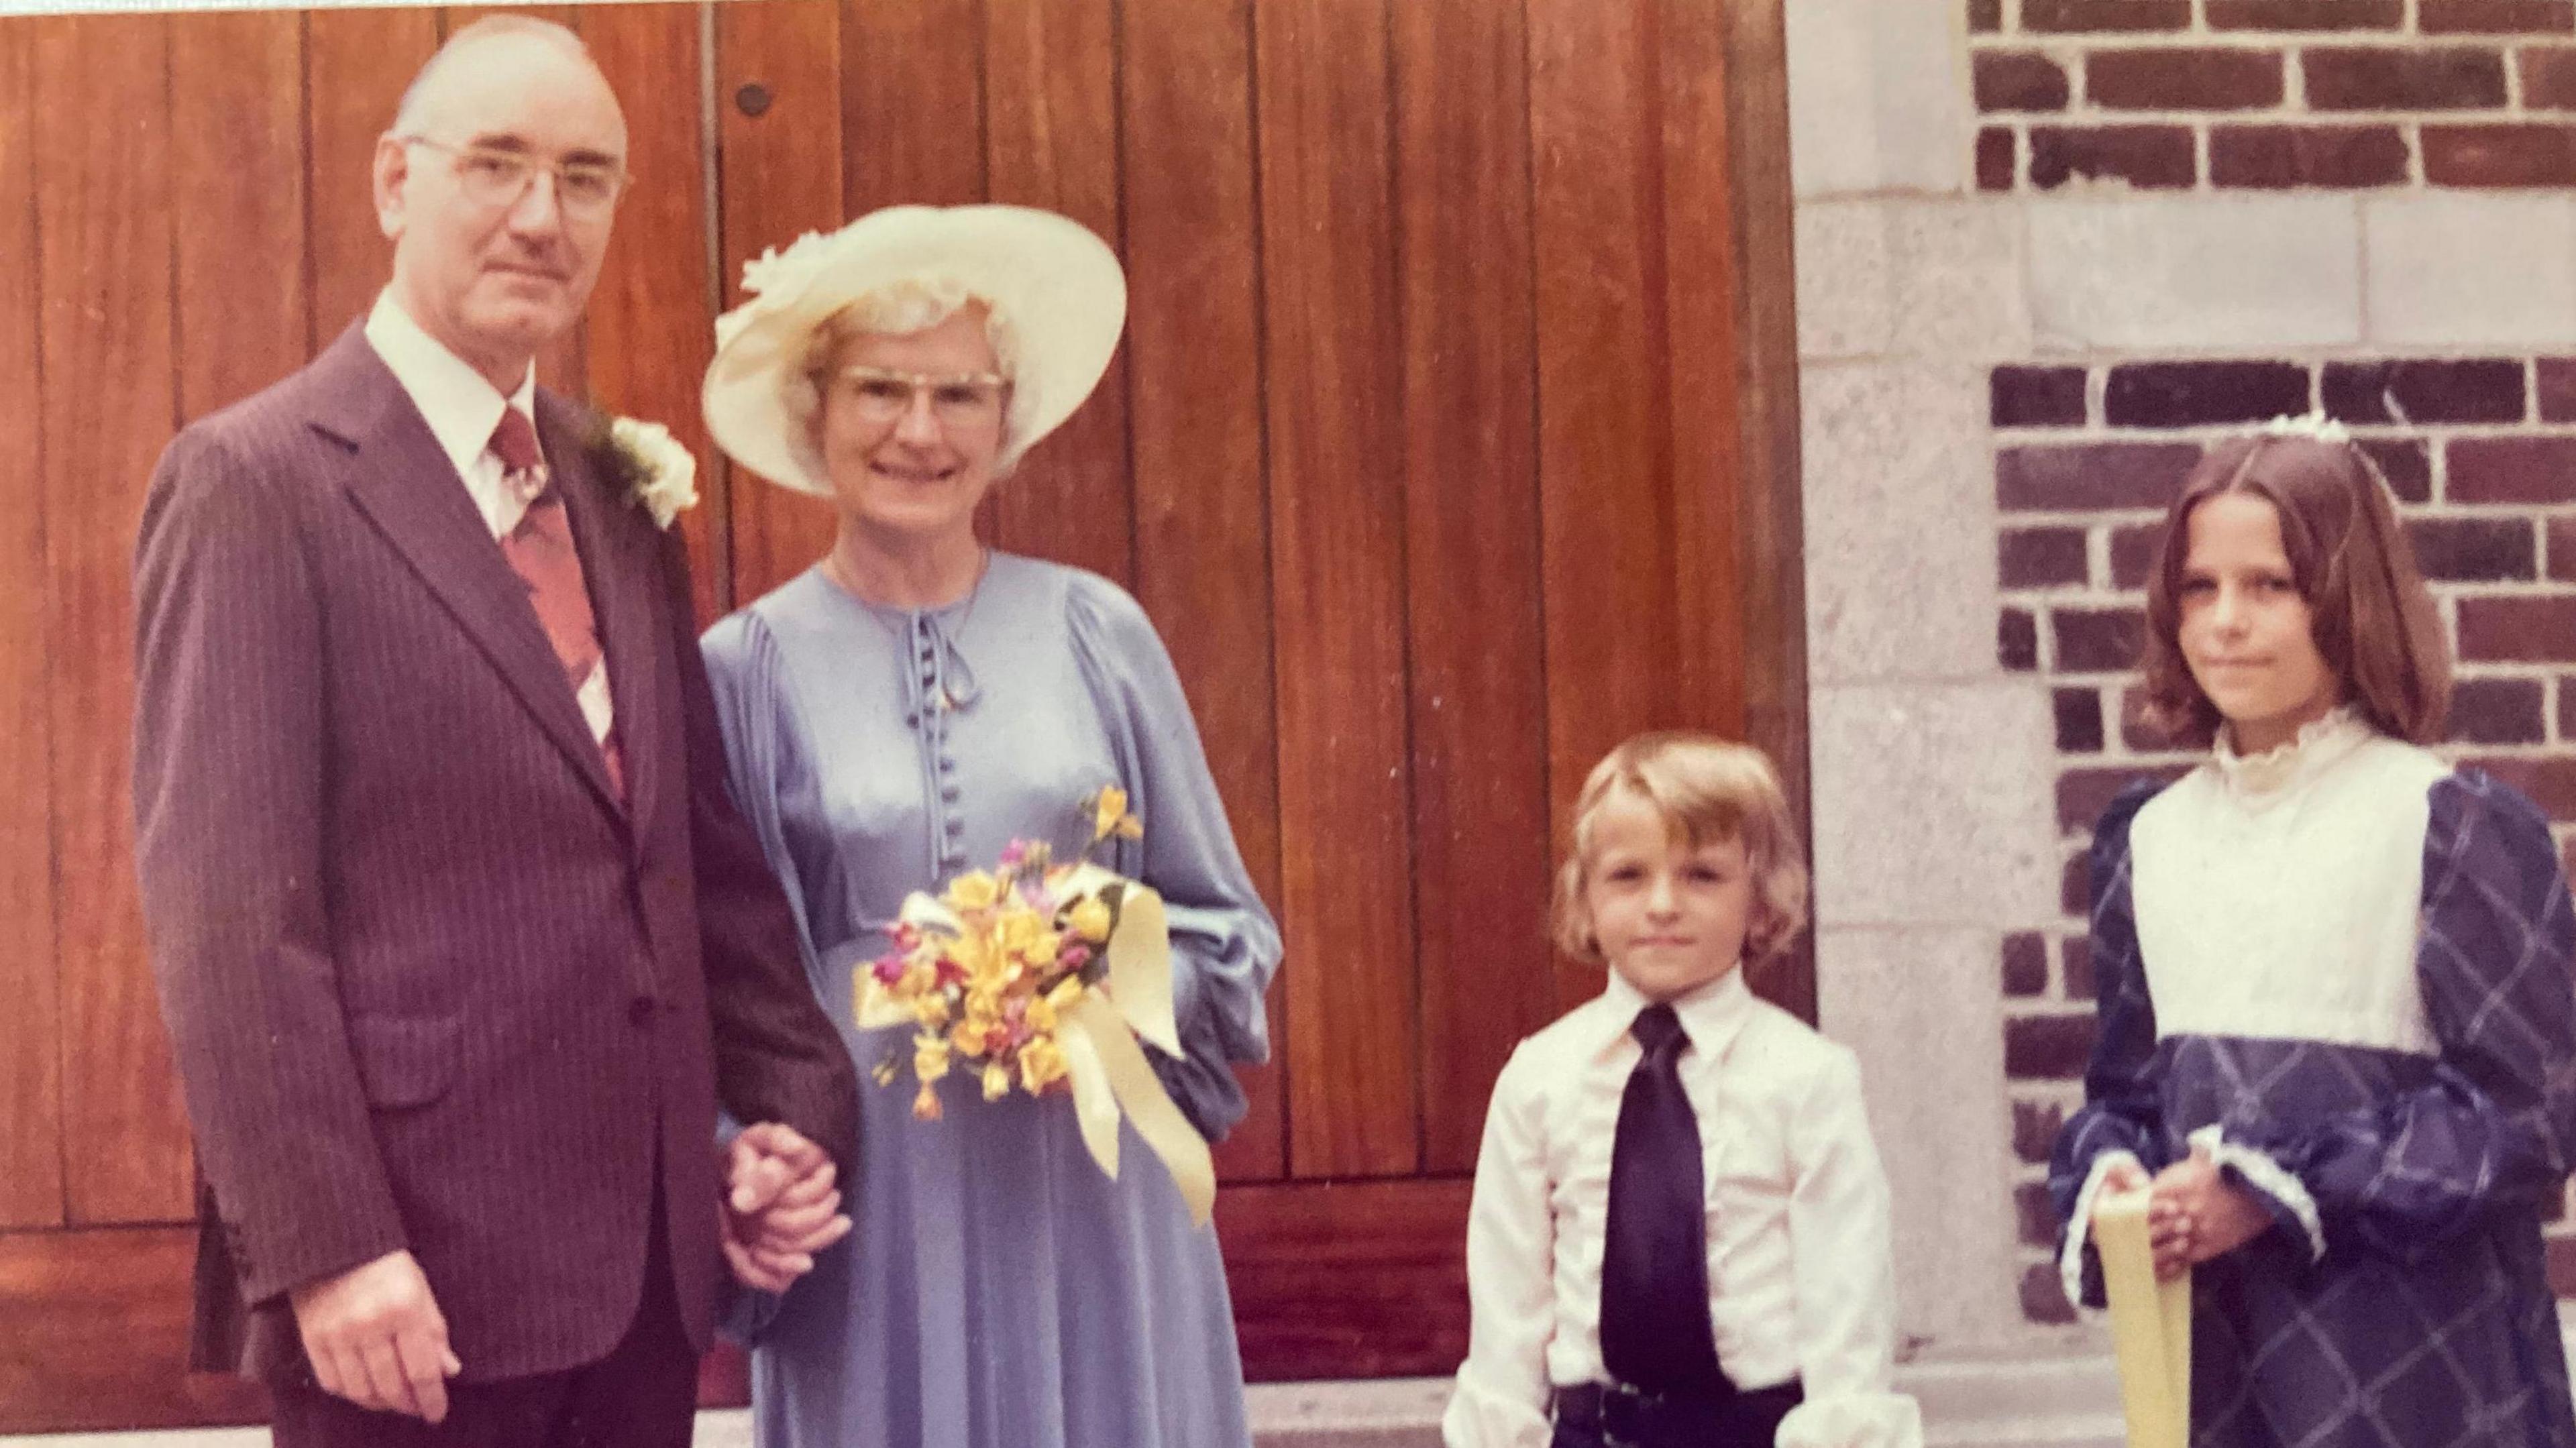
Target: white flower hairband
point(2315, 426)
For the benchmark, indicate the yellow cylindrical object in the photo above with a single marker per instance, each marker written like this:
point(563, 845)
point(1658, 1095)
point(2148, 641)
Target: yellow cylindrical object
point(2150, 1324)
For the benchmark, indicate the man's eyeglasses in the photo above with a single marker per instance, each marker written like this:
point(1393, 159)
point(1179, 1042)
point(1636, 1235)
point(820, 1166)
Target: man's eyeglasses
point(497, 178)
point(957, 399)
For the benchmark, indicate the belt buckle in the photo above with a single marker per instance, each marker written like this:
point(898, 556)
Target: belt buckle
point(1626, 1414)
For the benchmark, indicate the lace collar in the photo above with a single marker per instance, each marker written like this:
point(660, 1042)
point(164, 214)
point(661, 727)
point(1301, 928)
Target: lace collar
point(2261, 779)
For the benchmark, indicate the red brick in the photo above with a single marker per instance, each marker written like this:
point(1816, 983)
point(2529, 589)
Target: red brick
point(2555, 389)
point(2182, 80)
point(1985, 16)
point(2133, 553)
point(2077, 952)
point(2567, 710)
point(2475, 550)
point(2018, 80)
point(2035, 1213)
point(2098, 640)
point(2449, 78)
point(2512, 469)
point(2500, 155)
point(2043, 1295)
point(2548, 78)
point(2063, 16)
point(2424, 389)
point(2035, 397)
point(2035, 1128)
point(2272, 157)
point(1998, 158)
point(2406, 465)
point(2152, 158)
point(2082, 794)
point(2039, 557)
point(2525, 629)
point(2498, 711)
point(2078, 715)
point(2048, 1048)
point(2025, 963)
point(2306, 15)
point(2495, 17)
point(2549, 780)
point(2562, 1273)
point(2083, 477)
point(2193, 394)
point(2562, 558)
point(2017, 640)
point(2074, 887)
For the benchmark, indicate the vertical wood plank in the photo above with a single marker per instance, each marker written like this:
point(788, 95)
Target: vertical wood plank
point(101, 90)
point(1335, 369)
point(1052, 142)
point(1604, 437)
point(781, 175)
point(237, 135)
point(912, 102)
point(651, 328)
point(356, 63)
point(1480, 804)
point(1769, 532)
point(1202, 502)
point(31, 1140)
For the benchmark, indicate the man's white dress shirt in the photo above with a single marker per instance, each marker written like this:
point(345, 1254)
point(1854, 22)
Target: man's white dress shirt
point(462, 408)
point(1800, 1280)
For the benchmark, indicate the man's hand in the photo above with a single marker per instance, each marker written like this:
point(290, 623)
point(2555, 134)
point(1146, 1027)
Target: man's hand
point(780, 1207)
point(376, 1338)
point(2197, 1214)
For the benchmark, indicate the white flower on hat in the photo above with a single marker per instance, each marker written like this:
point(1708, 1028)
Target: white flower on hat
point(660, 471)
point(774, 271)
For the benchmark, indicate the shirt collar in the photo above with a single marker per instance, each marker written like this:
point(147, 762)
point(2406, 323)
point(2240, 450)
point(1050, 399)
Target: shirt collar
point(460, 406)
point(1711, 1015)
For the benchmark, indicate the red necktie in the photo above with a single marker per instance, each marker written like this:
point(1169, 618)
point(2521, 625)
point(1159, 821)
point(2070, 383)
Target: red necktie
point(540, 550)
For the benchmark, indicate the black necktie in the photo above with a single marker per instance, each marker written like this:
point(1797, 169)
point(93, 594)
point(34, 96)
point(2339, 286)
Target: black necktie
point(1655, 1333)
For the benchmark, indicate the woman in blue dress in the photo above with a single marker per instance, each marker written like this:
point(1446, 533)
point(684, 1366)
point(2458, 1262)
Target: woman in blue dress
point(897, 715)
point(2338, 1029)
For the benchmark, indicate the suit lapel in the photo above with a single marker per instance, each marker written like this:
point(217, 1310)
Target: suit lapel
point(621, 567)
point(402, 480)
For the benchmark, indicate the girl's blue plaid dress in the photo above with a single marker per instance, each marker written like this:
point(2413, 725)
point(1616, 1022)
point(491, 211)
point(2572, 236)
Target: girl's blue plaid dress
point(2344, 968)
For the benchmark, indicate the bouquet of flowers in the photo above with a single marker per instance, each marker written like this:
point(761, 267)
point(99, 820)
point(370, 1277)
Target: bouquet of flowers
point(1042, 976)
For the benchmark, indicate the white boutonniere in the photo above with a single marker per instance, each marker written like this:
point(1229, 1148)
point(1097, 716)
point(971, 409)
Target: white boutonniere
point(658, 471)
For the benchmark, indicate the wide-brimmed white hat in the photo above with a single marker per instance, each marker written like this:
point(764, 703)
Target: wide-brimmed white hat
point(1057, 286)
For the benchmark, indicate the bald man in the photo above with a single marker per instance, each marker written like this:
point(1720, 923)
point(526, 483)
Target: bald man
point(459, 939)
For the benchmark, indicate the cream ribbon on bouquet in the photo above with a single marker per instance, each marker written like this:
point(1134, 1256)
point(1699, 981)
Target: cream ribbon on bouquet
point(1098, 1033)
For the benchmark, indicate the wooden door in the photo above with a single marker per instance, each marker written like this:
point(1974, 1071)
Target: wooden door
point(1451, 441)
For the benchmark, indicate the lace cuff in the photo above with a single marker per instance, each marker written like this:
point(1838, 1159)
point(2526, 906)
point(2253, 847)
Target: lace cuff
point(2079, 1224)
point(2283, 1195)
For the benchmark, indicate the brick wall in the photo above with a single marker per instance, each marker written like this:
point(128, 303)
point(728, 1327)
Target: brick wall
point(2482, 455)
point(2266, 94)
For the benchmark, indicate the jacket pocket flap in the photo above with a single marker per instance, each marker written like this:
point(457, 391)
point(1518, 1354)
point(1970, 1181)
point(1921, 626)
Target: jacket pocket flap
point(403, 1061)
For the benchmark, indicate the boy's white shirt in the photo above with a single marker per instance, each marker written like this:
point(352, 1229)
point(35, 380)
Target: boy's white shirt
point(1801, 1282)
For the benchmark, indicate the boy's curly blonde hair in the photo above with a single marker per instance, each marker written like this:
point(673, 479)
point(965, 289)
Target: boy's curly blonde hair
point(1708, 790)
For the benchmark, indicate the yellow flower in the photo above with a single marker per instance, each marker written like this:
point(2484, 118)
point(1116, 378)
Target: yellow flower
point(1041, 1065)
point(974, 890)
point(968, 1038)
point(1109, 816)
point(1019, 930)
point(997, 1081)
point(1090, 919)
point(931, 1010)
point(929, 1057)
point(1041, 1016)
point(1067, 991)
point(925, 1104)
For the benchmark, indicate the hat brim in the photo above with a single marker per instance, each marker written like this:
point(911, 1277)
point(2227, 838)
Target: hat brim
point(1058, 286)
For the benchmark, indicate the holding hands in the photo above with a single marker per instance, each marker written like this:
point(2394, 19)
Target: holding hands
point(780, 1208)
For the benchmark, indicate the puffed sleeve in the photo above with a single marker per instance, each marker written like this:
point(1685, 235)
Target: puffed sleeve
point(743, 674)
point(1841, 1256)
point(2122, 1117)
point(1501, 1398)
point(2491, 1129)
point(1225, 947)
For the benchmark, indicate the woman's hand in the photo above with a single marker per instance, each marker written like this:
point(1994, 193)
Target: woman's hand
point(2197, 1214)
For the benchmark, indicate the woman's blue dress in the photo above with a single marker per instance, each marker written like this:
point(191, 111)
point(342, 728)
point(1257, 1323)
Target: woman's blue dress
point(999, 1291)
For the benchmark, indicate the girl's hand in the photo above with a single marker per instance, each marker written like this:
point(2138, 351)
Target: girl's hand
point(2197, 1214)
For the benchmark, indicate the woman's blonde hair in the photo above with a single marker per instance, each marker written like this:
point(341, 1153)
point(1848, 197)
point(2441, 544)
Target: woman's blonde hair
point(1708, 790)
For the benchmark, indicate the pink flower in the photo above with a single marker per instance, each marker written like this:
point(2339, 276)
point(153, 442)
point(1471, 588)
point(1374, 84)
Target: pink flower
point(889, 969)
point(1014, 852)
point(950, 972)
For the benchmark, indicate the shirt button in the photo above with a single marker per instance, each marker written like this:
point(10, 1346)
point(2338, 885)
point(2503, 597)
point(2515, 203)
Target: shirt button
point(957, 827)
point(911, 721)
point(949, 793)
